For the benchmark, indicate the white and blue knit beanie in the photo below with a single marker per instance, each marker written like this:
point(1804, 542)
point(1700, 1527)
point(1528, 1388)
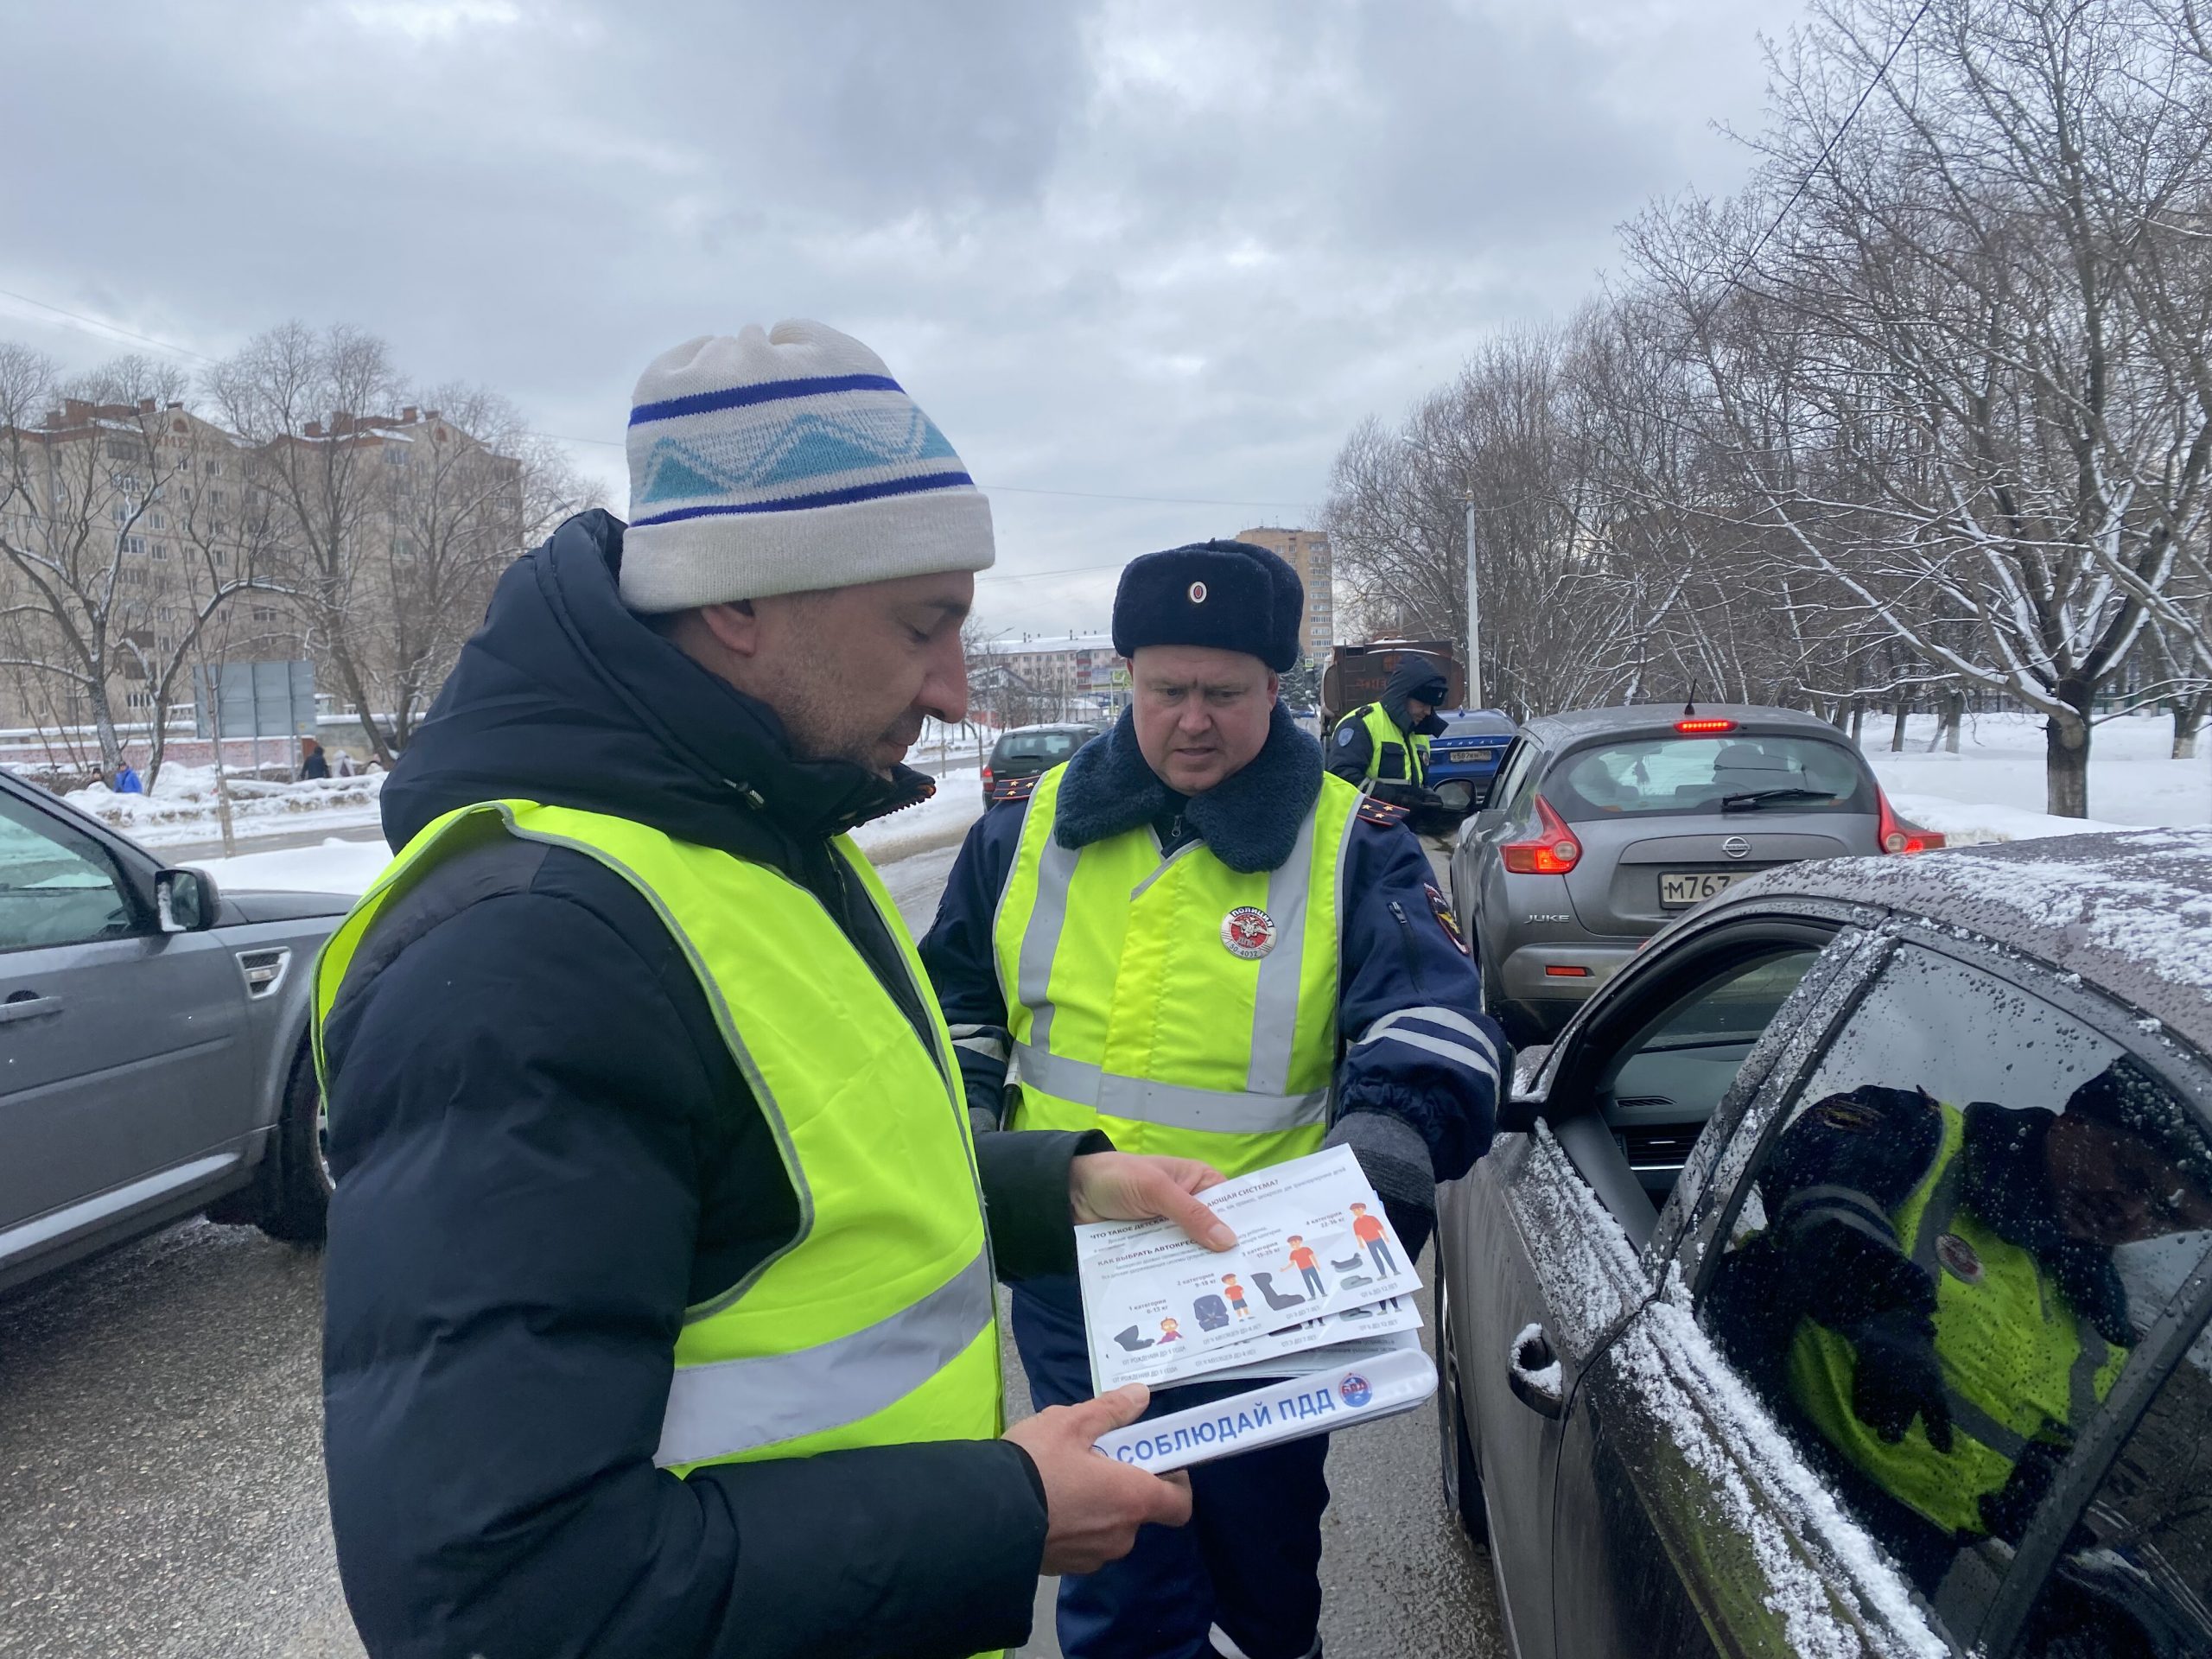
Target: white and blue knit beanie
point(783, 460)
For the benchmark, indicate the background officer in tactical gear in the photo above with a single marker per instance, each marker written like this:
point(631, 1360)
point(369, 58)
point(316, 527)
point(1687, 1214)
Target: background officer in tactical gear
point(1194, 939)
point(1386, 743)
point(1936, 1300)
point(659, 1314)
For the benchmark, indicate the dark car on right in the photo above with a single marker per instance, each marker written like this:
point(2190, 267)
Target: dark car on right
point(1604, 825)
point(1839, 1281)
point(1031, 751)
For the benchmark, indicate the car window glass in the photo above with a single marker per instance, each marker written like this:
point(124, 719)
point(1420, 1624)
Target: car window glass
point(1659, 1090)
point(1476, 726)
point(1516, 783)
point(1649, 777)
point(2135, 1576)
point(56, 885)
point(1944, 1257)
point(1050, 746)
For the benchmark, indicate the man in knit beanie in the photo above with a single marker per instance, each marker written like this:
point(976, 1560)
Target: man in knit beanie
point(660, 1303)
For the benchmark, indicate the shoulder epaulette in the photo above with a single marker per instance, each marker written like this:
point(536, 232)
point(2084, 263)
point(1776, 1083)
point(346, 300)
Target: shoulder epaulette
point(1012, 789)
point(1374, 811)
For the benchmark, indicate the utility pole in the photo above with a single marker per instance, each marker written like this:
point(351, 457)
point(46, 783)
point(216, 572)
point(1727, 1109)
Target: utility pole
point(1474, 617)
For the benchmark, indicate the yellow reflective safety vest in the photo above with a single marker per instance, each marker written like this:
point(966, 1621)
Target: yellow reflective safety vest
point(1393, 756)
point(2018, 1362)
point(878, 1324)
point(1184, 1008)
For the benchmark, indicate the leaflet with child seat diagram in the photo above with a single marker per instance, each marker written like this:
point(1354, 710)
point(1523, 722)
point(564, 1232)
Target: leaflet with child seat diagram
point(1316, 1264)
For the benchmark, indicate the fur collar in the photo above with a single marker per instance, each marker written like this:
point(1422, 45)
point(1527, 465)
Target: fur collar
point(1249, 820)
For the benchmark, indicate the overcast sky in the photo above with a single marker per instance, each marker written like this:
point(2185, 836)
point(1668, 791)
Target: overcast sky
point(1115, 250)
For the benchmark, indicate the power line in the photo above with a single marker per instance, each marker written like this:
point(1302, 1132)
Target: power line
point(111, 328)
point(1829, 149)
point(1065, 571)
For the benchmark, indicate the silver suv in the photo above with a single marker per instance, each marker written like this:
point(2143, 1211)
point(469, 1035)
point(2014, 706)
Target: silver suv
point(153, 1036)
point(1604, 825)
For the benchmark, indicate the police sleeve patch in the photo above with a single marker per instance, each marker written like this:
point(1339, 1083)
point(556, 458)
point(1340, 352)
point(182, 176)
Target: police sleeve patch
point(1346, 736)
point(1442, 907)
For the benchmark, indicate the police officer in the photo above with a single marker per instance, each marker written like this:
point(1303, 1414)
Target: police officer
point(1386, 742)
point(659, 1304)
point(1194, 939)
point(1938, 1295)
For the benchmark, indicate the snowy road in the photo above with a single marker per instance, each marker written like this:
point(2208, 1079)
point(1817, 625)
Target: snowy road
point(161, 1477)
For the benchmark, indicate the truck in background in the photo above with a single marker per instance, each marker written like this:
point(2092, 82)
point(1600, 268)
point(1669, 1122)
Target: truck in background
point(1357, 674)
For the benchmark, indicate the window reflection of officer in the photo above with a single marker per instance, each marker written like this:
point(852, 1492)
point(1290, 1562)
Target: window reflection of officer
point(1386, 742)
point(1191, 937)
point(1936, 1293)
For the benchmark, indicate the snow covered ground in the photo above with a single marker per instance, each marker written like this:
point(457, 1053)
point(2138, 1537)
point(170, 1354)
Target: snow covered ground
point(348, 866)
point(1992, 788)
point(183, 807)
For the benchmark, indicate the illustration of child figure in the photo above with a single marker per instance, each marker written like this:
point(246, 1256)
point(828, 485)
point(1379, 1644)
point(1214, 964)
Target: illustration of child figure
point(1168, 1332)
point(1302, 1258)
point(1235, 1292)
point(1368, 1229)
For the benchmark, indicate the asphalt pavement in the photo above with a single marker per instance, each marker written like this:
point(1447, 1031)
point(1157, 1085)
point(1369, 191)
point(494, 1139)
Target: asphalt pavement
point(160, 1473)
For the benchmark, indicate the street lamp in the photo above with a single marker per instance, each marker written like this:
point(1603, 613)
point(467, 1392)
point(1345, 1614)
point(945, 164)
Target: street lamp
point(1474, 617)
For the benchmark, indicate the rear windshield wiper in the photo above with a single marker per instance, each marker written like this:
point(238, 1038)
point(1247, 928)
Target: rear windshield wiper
point(1755, 798)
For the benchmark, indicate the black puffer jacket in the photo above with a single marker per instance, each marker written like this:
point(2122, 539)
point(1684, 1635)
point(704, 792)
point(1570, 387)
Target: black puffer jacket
point(544, 1152)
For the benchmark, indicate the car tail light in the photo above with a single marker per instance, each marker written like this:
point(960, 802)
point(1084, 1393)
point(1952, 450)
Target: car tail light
point(987, 777)
point(1696, 728)
point(1898, 836)
point(1553, 852)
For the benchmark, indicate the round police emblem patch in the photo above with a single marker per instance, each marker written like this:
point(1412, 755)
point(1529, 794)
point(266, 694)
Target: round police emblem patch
point(1198, 592)
point(1249, 932)
point(1346, 736)
point(1959, 1258)
point(1355, 1390)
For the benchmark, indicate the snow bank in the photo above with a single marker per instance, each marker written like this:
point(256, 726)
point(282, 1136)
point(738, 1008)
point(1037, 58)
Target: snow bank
point(337, 865)
point(348, 866)
point(1976, 823)
point(183, 806)
point(1993, 789)
point(938, 822)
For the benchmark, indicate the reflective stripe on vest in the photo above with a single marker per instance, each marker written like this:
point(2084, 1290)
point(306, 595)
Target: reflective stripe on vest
point(1409, 763)
point(1130, 1011)
point(2017, 1361)
point(877, 1323)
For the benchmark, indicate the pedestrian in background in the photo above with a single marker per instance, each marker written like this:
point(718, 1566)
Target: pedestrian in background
point(660, 1305)
point(313, 762)
point(1194, 939)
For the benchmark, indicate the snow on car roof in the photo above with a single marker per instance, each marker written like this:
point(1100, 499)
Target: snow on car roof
point(2131, 912)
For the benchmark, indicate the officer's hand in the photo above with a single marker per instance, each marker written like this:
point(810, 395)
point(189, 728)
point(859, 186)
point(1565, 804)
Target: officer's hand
point(1899, 1377)
point(1094, 1505)
point(1127, 1186)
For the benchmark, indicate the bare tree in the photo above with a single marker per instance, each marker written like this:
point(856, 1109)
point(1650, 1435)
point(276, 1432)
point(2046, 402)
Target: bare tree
point(1949, 377)
point(110, 573)
point(466, 489)
point(293, 395)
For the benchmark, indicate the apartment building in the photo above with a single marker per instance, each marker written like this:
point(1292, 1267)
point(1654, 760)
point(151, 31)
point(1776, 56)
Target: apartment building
point(137, 513)
point(1308, 553)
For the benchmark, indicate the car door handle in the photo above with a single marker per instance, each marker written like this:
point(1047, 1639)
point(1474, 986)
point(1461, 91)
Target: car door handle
point(1534, 1373)
point(28, 1005)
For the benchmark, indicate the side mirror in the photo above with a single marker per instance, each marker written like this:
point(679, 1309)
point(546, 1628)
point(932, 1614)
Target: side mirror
point(185, 900)
point(1524, 1101)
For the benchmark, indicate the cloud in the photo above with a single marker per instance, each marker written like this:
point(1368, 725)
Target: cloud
point(1128, 247)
